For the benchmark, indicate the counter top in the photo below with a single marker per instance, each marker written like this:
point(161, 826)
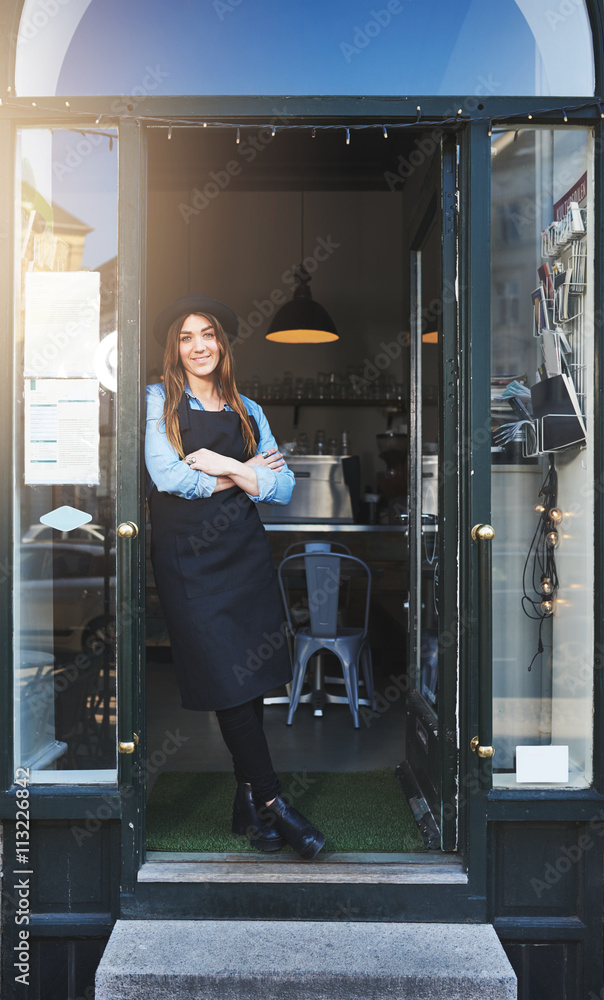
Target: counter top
point(323, 526)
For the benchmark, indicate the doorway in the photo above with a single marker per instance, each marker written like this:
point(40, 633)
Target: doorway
point(352, 210)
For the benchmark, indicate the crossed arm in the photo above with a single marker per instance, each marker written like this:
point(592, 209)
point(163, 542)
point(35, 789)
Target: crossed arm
point(229, 472)
point(257, 477)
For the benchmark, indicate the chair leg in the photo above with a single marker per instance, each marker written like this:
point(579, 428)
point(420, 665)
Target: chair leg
point(300, 664)
point(351, 680)
point(367, 666)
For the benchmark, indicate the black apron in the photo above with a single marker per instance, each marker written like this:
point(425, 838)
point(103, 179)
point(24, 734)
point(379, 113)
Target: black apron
point(216, 580)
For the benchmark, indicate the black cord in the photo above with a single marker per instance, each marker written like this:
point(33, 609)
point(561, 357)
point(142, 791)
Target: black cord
point(541, 557)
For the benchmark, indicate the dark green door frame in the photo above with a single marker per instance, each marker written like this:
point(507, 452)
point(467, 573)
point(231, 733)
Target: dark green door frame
point(438, 760)
point(474, 281)
point(132, 265)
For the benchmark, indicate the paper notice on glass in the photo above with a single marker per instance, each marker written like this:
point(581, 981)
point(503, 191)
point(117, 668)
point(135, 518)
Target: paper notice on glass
point(62, 431)
point(62, 323)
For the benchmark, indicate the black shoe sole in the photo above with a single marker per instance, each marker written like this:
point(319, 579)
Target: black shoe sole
point(312, 851)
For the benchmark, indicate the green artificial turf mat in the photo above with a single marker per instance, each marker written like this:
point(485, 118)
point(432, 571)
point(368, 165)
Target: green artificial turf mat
point(362, 811)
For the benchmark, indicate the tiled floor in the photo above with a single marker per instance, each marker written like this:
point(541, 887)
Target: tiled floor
point(192, 740)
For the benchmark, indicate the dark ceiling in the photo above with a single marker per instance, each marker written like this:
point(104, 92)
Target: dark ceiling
point(291, 160)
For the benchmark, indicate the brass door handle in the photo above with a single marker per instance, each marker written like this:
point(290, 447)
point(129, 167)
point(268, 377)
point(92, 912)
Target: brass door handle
point(480, 751)
point(128, 747)
point(482, 533)
point(127, 529)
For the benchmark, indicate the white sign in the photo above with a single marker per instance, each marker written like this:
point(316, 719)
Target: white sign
point(62, 431)
point(62, 323)
point(537, 765)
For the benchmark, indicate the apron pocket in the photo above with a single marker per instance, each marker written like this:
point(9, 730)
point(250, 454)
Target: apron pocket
point(239, 557)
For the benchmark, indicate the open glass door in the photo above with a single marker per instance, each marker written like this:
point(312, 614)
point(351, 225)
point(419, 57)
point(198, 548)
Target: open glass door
point(430, 766)
point(64, 454)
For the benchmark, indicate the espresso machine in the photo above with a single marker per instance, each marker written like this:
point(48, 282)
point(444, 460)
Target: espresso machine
point(327, 491)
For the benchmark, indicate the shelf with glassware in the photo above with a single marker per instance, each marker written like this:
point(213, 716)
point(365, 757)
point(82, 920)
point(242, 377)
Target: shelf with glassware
point(392, 406)
point(551, 413)
point(358, 386)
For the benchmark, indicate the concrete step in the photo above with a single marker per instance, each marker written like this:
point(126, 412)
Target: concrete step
point(302, 960)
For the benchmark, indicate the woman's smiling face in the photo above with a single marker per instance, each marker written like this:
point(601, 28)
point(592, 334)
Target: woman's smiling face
point(198, 347)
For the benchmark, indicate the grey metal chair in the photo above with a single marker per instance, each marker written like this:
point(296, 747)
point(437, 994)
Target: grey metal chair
point(323, 577)
point(318, 696)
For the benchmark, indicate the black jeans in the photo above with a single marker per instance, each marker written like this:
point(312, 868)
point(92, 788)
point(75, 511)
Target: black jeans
point(242, 731)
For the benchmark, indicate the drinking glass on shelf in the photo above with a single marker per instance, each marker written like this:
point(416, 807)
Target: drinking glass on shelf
point(333, 446)
point(302, 444)
point(319, 445)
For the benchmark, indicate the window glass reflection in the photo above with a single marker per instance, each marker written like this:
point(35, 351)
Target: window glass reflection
point(542, 346)
point(64, 511)
point(148, 47)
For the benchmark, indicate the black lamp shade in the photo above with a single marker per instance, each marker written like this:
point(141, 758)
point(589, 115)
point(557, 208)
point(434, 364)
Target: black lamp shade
point(302, 321)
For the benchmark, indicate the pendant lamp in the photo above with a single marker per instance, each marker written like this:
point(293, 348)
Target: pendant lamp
point(302, 321)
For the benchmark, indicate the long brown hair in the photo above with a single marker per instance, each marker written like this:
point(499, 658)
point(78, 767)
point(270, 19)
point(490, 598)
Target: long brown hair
point(175, 381)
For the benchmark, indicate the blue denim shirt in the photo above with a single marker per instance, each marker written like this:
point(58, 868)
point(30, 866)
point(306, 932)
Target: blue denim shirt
point(171, 475)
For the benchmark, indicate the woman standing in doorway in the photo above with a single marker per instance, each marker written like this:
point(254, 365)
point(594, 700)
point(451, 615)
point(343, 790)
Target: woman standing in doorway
point(211, 457)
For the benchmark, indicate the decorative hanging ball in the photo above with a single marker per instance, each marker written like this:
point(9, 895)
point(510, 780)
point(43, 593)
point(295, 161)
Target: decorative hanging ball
point(555, 515)
point(547, 607)
point(552, 539)
point(546, 585)
point(540, 509)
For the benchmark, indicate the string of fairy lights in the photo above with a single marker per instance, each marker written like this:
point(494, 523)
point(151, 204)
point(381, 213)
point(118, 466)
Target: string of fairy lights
point(564, 112)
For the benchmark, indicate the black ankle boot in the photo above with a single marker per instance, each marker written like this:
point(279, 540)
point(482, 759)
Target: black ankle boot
point(246, 822)
point(299, 833)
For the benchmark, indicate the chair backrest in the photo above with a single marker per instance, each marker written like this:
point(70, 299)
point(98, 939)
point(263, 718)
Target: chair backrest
point(316, 546)
point(323, 581)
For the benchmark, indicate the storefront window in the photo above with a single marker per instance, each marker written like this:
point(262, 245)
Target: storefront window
point(64, 452)
point(542, 337)
point(147, 47)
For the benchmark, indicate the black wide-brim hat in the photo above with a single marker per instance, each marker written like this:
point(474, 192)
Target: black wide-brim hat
point(188, 304)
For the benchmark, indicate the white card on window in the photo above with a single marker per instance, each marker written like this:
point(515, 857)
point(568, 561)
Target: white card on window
point(540, 765)
point(62, 323)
